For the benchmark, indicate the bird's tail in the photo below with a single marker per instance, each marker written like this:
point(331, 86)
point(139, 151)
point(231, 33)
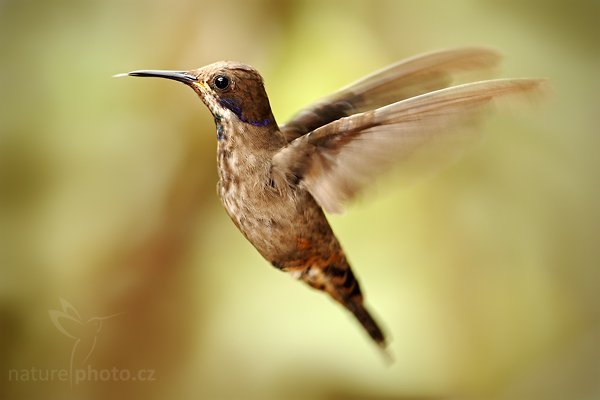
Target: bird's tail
point(347, 292)
point(367, 321)
point(339, 281)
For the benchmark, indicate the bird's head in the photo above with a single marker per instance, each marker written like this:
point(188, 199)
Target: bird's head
point(227, 88)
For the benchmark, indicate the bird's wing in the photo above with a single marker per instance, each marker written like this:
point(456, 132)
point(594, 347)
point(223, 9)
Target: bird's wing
point(405, 79)
point(335, 161)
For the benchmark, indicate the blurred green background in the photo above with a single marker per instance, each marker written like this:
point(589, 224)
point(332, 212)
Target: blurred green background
point(485, 277)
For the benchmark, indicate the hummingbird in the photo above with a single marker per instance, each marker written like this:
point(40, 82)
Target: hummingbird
point(277, 181)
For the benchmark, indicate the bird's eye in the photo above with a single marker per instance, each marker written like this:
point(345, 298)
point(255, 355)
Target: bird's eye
point(221, 82)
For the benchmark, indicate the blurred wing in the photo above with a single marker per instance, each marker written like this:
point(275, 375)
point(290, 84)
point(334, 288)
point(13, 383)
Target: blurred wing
point(403, 80)
point(335, 161)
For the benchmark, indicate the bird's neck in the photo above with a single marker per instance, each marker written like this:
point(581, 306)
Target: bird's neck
point(243, 148)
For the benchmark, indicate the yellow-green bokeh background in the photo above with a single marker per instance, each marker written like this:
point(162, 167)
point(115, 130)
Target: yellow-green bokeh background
point(486, 276)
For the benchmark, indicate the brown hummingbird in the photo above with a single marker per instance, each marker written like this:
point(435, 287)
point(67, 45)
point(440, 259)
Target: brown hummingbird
point(275, 181)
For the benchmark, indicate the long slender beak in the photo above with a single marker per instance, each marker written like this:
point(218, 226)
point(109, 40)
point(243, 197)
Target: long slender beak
point(180, 76)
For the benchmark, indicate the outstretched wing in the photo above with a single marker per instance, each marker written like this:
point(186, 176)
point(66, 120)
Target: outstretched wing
point(405, 79)
point(335, 161)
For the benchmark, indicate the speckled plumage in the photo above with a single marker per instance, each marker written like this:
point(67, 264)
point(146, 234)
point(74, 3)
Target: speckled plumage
point(285, 224)
point(275, 181)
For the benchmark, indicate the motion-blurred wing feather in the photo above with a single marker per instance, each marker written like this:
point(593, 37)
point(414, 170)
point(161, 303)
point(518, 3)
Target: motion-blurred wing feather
point(335, 161)
point(405, 79)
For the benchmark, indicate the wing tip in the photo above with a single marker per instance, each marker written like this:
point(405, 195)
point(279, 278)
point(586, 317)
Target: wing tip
point(465, 57)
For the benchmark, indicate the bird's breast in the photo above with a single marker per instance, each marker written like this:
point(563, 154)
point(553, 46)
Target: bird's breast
point(273, 221)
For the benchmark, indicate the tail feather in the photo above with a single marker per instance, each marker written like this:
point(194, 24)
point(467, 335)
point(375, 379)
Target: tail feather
point(339, 281)
point(366, 320)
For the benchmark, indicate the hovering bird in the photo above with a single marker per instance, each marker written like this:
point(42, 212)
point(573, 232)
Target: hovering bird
point(275, 182)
